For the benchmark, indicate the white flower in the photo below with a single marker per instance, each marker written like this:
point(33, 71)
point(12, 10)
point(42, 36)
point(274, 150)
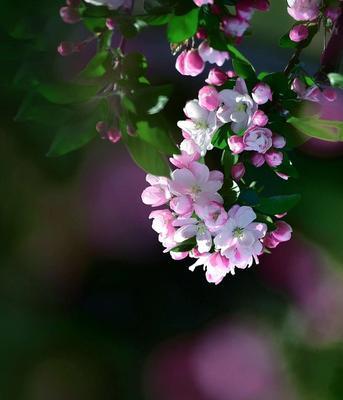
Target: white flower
point(239, 239)
point(111, 4)
point(190, 227)
point(201, 125)
point(236, 106)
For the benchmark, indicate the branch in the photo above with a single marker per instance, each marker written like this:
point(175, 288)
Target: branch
point(293, 61)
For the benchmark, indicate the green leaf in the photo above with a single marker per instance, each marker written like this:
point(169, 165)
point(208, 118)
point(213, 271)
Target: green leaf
point(134, 65)
point(279, 83)
point(219, 139)
point(155, 132)
point(319, 128)
point(228, 160)
point(243, 69)
point(157, 20)
point(237, 55)
point(67, 93)
point(277, 204)
point(336, 79)
point(182, 27)
point(186, 245)
point(147, 157)
point(95, 68)
point(78, 131)
point(151, 99)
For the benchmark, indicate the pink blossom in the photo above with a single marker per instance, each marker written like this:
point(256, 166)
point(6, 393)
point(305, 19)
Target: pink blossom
point(177, 256)
point(209, 98)
point(163, 225)
point(158, 193)
point(211, 55)
point(215, 265)
point(191, 227)
point(270, 241)
point(216, 77)
point(279, 142)
point(213, 214)
point(200, 3)
point(197, 183)
point(190, 63)
point(303, 10)
point(330, 94)
point(262, 93)
point(283, 231)
point(257, 139)
point(182, 205)
point(298, 33)
point(260, 118)
point(238, 171)
point(234, 26)
point(240, 238)
point(257, 160)
point(236, 144)
point(299, 87)
point(273, 158)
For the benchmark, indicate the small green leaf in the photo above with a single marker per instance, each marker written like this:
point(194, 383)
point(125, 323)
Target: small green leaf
point(187, 245)
point(151, 99)
point(331, 131)
point(336, 79)
point(67, 93)
point(277, 204)
point(182, 27)
point(228, 160)
point(95, 68)
point(243, 69)
point(219, 139)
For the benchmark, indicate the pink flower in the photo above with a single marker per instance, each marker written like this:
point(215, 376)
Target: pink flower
point(298, 86)
point(236, 144)
point(213, 214)
point(190, 63)
point(234, 26)
point(238, 171)
point(257, 160)
point(283, 231)
point(262, 93)
point(197, 182)
point(303, 10)
point(211, 55)
point(240, 238)
point(182, 205)
point(273, 158)
point(216, 266)
point(298, 33)
point(258, 139)
point(216, 77)
point(163, 225)
point(209, 98)
point(279, 142)
point(191, 227)
point(158, 193)
point(200, 3)
point(260, 118)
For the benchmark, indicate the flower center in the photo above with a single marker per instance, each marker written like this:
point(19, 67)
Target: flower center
point(241, 107)
point(201, 125)
point(238, 232)
point(196, 189)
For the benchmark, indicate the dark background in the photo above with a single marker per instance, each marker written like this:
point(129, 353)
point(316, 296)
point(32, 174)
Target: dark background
point(90, 307)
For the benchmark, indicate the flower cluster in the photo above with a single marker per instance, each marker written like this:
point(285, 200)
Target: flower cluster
point(197, 225)
point(234, 25)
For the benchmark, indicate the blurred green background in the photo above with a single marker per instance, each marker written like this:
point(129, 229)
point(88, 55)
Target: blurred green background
point(90, 307)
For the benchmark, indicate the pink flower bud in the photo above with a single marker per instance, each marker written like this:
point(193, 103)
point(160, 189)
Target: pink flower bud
point(231, 74)
point(66, 48)
point(260, 118)
point(238, 171)
point(283, 231)
point(236, 144)
point(201, 34)
point(114, 135)
point(279, 141)
point(258, 139)
point(298, 33)
point(330, 94)
point(216, 77)
point(110, 24)
point(262, 5)
point(257, 160)
point(190, 63)
point(303, 10)
point(270, 241)
point(69, 15)
point(209, 98)
point(273, 158)
point(298, 86)
point(262, 93)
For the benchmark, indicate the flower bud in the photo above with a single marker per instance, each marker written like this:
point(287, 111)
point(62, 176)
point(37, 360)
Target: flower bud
point(270, 241)
point(231, 74)
point(257, 160)
point(260, 118)
point(236, 144)
point(190, 63)
point(273, 158)
point(279, 141)
point(69, 15)
point(262, 5)
point(298, 33)
point(66, 48)
point(110, 24)
point(262, 93)
point(330, 94)
point(283, 231)
point(298, 86)
point(216, 77)
point(238, 171)
point(201, 33)
point(114, 135)
point(209, 98)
